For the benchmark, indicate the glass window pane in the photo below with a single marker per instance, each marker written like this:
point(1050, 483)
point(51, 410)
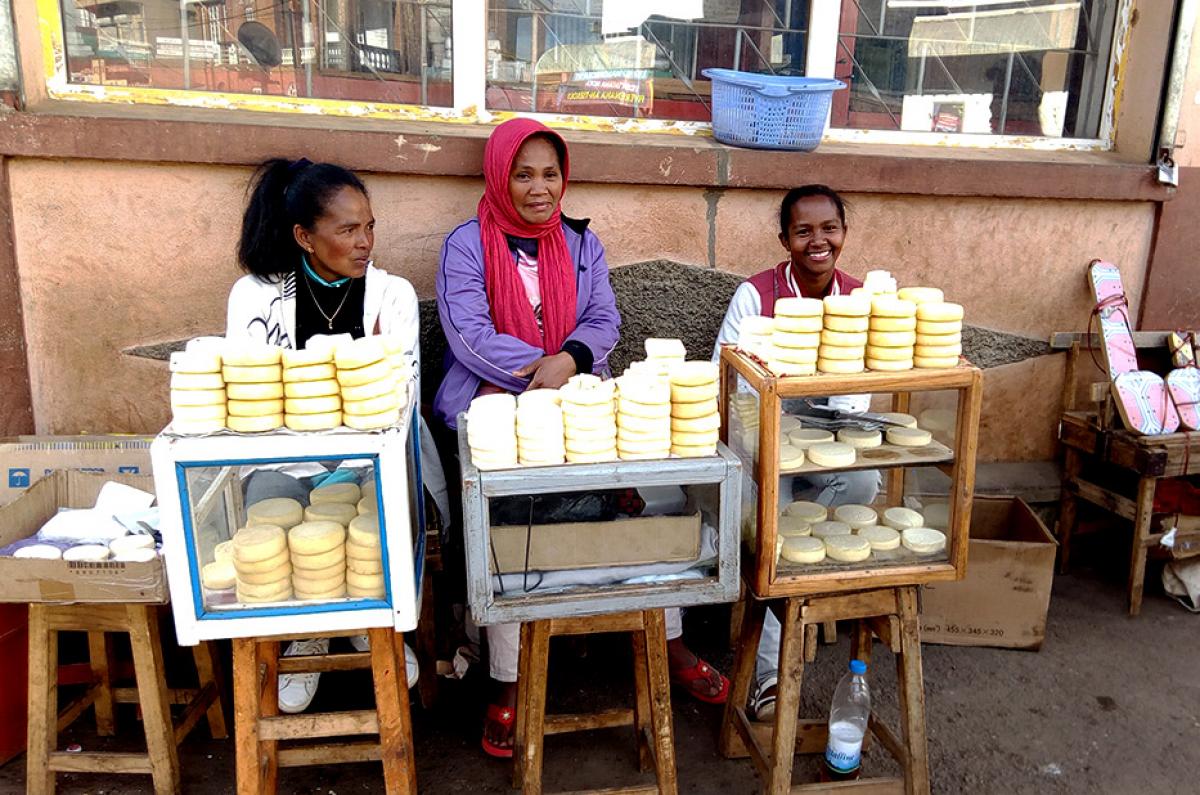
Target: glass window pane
point(1035, 67)
point(395, 51)
point(634, 58)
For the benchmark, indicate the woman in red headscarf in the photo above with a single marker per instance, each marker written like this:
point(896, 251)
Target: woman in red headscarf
point(525, 302)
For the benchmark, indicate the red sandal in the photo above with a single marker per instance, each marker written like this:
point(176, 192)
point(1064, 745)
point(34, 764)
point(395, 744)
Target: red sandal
point(505, 716)
point(701, 670)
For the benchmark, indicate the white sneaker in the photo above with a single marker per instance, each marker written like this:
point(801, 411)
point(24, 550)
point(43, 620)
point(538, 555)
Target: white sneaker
point(296, 691)
point(411, 668)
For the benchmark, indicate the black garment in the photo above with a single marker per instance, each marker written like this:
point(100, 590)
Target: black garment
point(580, 352)
point(311, 294)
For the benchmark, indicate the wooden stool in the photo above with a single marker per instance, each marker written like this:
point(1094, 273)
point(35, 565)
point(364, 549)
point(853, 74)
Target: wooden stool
point(140, 621)
point(258, 726)
point(890, 613)
point(650, 717)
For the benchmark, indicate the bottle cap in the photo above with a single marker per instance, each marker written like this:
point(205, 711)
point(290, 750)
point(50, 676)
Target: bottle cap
point(858, 667)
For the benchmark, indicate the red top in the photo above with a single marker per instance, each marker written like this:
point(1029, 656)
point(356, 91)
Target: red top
point(773, 284)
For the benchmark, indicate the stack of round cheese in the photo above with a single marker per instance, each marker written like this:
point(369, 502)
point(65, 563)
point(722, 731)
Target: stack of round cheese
point(589, 419)
point(540, 429)
point(665, 350)
point(756, 337)
point(797, 336)
point(312, 397)
point(844, 338)
point(197, 392)
point(364, 559)
point(492, 431)
point(695, 418)
point(892, 334)
point(398, 357)
point(260, 561)
point(369, 393)
point(318, 555)
point(133, 548)
point(939, 335)
point(656, 368)
point(879, 283)
point(643, 417)
point(254, 386)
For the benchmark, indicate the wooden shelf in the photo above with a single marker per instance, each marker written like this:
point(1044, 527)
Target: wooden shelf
point(885, 456)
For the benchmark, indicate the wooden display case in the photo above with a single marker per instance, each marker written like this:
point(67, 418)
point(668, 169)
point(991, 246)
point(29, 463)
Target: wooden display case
point(769, 577)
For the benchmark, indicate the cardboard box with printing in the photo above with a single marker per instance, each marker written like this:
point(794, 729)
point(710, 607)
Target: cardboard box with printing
point(26, 459)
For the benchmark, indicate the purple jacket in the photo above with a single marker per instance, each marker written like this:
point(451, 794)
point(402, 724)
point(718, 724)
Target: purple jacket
point(477, 351)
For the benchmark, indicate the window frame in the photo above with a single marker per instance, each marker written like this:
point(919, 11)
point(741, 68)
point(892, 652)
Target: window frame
point(469, 104)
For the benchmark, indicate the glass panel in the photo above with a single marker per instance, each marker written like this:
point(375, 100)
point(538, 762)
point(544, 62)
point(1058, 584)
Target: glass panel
point(1033, 67)
point(743, 442)
point(395, 51)
point(284, 555)
point(633, 58)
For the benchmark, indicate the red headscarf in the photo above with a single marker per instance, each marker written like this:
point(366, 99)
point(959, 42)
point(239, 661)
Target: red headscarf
point(510, 307)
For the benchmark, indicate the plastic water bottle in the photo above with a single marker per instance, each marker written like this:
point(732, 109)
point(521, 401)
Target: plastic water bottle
point(848, 724)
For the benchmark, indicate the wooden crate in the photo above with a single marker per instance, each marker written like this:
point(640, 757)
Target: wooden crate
point(488, 606)
point(761, 569)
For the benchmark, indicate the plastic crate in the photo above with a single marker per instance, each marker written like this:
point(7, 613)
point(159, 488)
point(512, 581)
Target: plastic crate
point(770, 111)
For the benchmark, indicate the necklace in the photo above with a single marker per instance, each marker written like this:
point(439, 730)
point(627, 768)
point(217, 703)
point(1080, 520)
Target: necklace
point(328, 318)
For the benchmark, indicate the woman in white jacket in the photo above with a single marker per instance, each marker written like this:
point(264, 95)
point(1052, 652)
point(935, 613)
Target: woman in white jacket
point(306, 241)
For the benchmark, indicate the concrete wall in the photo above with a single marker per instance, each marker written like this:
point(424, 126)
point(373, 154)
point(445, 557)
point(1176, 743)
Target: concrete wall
point(116, 255)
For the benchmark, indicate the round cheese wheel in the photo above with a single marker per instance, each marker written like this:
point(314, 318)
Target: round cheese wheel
point(791, 369)
point(264, 591)
point(828, 529)
point(635, 447)
point(218, 575)
point(197, 397)
point(241, 353)
point(809, 512)
point(373, 389)
point(807, 437)
point(313, 596)
point(656, 425)
point(653, 455)
point(364, 530)
point(696, 424)
point(856, 437)
point(195, 362)
point(130, 542)
point(366, 593)
point(194, 381)
point(371, 406)
point(664, 348)
point(891, 339)
point(539, 397)
point(199, 413)
point(909, 437)
point(753, 325)
point(841, 366)
point(797, 325)
point(923, 540)
point(694, 394)
point(313, 422)
point(694, 374)
point(847, 306)
point(348, 493)
point(364, 553)
point(359, 353)
point(318, 581)
point(832, 454)
point(921, 295)
point(587, 390)
point(321, 562)
point(136, 556)
point(307, 357)
point(626, 435)
point(791, 356)
point(892, 306)
point(939, 327)
point(284, 594)
point(937, 352)
point(798, 307)
point(283, 512)
point(223, 551)
point(272, 576)
point(370, 422)
point(339, 512)
point(935, 363)
point(311, 389)
point(267, 570)
point(197, 427)
point(840, 353)
point(890, 354)
point(491, 464)
point(589, 445)
point(687, 439)
point(591, 414)
point(792, 340)
point(687, 411)
point(843, 339)
point(889, 365)
point(792, 526)
point(255, 392)
point(790, 457)
point(255, 408)
point(254, 424)
point(892, 324)
point(313, 405)
point(495, 403)
point(313, 538)
point(693, 451)
point(938, 340)
point(542, 460)
point(848, 549)
point(39, 552)
point(643, 389)
point(939, 312)
point(252, 375)
point(906, 420)
point(802, 549)
point(364, 566)
point(378, 371)
point(901, 518)
point(327, 343)
point(880, 538)
point(258, 543)
point(857, 516)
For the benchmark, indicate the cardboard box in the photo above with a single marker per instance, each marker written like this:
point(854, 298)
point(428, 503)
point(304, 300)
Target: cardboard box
point(1006, 594)
point(589, 545)
point(26, 459)
point(61, 581)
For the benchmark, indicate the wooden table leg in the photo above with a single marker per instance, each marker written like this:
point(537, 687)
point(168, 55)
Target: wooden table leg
point(267, 657)
point(393, 711)
point(745, 655)
point(534, 706)
point(208, 671)
point(1068, 508)
point(860, 641)
point(246, 685)
point(655, 626)
point(736, 615)
point(426, 644)
point(810, 642)
point(1141, 534)
point(153, 698)
point(787, 700)
point(911, 682)
point(521, 727)
point(100, 655)
point(642, 710)
point(41, 731)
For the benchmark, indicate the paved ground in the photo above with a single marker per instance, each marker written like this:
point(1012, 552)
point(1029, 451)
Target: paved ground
point(1109, 705)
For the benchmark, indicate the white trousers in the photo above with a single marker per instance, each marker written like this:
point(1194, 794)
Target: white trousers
point(504, 642)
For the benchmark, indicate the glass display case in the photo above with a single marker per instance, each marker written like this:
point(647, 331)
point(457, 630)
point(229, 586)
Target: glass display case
point(823, 498)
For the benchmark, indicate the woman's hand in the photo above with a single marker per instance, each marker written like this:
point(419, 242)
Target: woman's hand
point(548, 372)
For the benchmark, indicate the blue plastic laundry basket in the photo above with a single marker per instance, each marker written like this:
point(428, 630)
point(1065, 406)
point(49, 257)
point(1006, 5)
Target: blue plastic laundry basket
point(770, 111)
